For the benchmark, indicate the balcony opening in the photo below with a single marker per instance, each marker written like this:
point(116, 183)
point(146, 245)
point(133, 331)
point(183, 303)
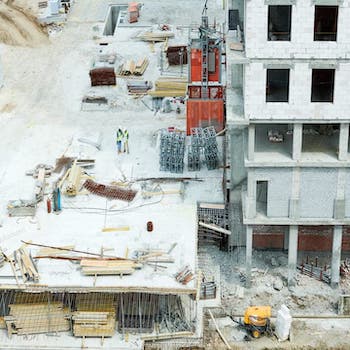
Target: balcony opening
point(326, 23)
point(320, 140)
point(322, 85)
point(277, 85)
point(279, 23)
point(274, 139)
point(261, 197)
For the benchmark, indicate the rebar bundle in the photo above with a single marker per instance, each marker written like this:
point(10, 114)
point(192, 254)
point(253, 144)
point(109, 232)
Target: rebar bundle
point(210, 148)
point(113, 192)
point(203, 141)
point(172, 151)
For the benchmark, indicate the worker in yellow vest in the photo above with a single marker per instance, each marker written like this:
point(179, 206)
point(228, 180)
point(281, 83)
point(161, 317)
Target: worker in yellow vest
point(120, 136)
point(126, 140)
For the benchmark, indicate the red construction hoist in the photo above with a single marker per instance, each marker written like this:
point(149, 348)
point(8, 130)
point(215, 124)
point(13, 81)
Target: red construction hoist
point(205, 104)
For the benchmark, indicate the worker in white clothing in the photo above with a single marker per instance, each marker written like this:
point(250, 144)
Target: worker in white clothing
point(126, 140)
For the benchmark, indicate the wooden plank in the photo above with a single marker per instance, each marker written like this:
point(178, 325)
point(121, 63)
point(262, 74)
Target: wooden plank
point(113, 229)
point(214, 228)
point(212, 206)
point(218, 330)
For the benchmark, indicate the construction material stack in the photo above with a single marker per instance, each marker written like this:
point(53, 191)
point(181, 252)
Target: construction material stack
point(205, 105)
point(172, 151)
point(95, 317)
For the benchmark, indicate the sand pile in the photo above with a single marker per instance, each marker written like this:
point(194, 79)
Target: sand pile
point(19, 27)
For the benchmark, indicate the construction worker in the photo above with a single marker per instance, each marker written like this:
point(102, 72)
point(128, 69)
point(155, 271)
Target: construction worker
point(120, 136)
point(126, 140)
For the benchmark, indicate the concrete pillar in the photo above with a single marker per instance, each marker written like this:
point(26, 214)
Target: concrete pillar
point(343, 141)
point(336, 254)
point(292, 254)
point(248, 255)
point(251, 195)
point(251, 141)
point(297, 141)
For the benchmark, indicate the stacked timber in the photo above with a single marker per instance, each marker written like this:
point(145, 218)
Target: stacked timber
point(108, 267)
point(26, 265)
point(93, 324)
point(169, 87)
point(138, 87)
point(74, 175)
point(95, 315)
point(155, 36)
point(131, 67)
point(37, 318)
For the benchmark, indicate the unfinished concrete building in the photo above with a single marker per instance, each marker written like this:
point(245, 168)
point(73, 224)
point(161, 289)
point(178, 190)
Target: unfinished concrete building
point(287, 113)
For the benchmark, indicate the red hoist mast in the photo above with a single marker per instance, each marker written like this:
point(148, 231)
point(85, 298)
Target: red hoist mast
point(205, 104)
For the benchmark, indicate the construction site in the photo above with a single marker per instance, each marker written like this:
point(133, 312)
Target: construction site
point(167, 179)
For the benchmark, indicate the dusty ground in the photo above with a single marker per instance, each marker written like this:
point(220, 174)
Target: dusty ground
point(18, 25)
point(308, 298)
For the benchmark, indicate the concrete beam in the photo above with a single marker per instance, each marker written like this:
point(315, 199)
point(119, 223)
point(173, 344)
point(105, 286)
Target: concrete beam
point(336, 254)
point(248, 255)
point(292, 254)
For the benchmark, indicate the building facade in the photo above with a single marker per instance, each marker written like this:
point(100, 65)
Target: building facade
point(288, 120)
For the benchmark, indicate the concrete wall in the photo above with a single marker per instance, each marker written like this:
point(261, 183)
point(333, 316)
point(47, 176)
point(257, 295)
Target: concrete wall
point(299, 105)
point(318, 189)
point(279, 190)
point(302, 32)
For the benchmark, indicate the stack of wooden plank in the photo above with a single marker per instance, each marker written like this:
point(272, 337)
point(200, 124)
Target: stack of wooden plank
point(93, 324)
point(37, 318)
point(155, 36)
point(108, 267)
point(131, 67)
point(138, 87)
point(169, 87)
point(95, 315)
point(26, 265)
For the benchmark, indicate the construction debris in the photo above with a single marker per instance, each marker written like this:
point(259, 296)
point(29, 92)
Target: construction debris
point(95, 143)
point(207, 290)
point(35, 172)
point(169, 87)
point(37, 318)
point(155, 36)
point(21, 207)
point(92, 103)
point(312, 269)
point(111, 192)
point(138, 87)
point(184, 276)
